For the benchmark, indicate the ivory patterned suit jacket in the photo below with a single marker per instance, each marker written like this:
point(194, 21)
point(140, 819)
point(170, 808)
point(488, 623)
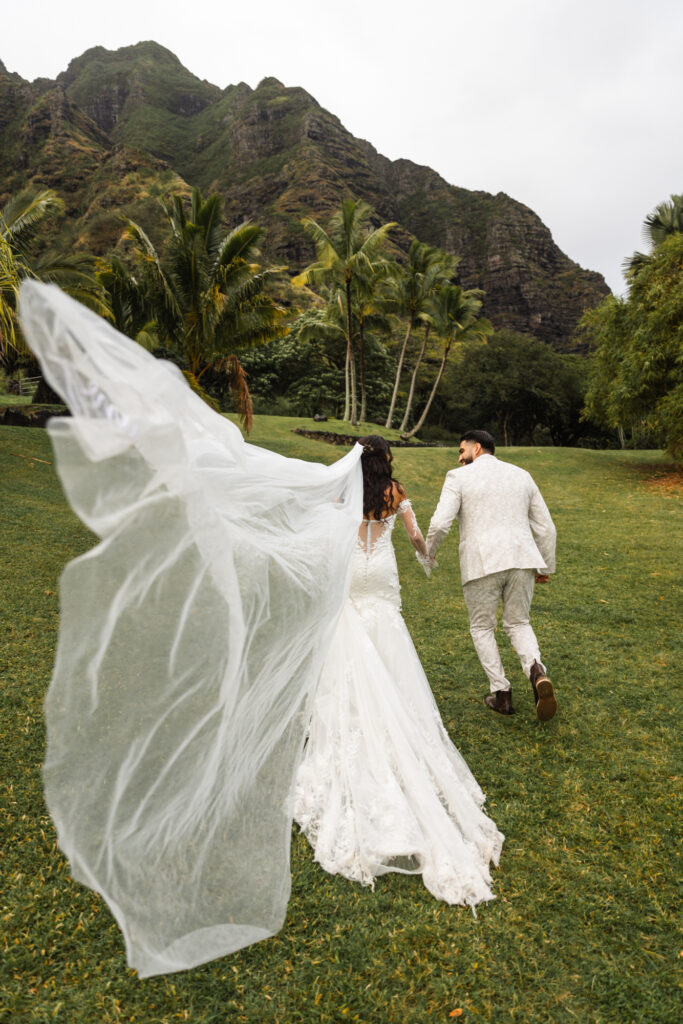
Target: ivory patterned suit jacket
point(504, 522)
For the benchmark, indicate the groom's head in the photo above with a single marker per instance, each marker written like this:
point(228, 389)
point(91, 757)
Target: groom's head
point(474, 443)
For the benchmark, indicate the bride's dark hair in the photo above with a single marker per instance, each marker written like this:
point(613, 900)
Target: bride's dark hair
point(378, 493)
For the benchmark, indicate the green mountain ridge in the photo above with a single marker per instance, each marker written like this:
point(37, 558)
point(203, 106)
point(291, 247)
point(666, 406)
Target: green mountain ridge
point(120, 129)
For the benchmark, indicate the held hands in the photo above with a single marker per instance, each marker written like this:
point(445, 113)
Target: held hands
point(540, 578)
point(427, 563)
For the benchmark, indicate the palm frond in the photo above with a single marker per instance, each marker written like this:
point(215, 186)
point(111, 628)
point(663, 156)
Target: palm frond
point(316, 275)
point(376, 240)
point(632, 265)
point(239, 244)
point(21, 212)
point(11, 339)
point(157, 278)
point(148, 337)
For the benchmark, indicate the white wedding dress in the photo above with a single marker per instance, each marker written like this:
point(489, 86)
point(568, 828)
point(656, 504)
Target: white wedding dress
point(381, 787)
point(191, 643)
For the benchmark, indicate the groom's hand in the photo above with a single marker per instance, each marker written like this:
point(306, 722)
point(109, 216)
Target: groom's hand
point(426, 562)
point(540, 578)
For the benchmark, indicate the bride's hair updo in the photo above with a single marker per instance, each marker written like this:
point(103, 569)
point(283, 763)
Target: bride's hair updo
point(378, 492)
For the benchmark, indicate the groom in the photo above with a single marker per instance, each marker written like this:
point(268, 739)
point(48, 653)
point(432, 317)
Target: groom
point(507, 541)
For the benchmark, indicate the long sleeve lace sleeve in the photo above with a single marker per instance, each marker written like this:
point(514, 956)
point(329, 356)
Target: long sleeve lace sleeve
point(405, 510)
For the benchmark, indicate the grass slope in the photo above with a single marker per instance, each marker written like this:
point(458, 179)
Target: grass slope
point(583, 927)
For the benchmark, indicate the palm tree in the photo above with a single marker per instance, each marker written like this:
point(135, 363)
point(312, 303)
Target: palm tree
point(454, 315)
point(369, 314)
point(347, 250)
point(427, 326)
point(409, 288)
point(10, 280)
point(207, 292)
point(436, 277)
point(129, 306)
point(666, 219)
point(19, 222)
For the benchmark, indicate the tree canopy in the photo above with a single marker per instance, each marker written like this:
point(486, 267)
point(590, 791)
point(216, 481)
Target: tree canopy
point(666, 219)
point(22, 218)
point(205, 294)
point(636, 380)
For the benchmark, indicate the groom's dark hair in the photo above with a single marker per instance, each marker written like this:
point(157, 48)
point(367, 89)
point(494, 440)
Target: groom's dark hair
point(483, 437)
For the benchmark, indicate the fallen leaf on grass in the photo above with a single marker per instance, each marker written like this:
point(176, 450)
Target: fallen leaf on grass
point(31, 459)
point(456, 1013)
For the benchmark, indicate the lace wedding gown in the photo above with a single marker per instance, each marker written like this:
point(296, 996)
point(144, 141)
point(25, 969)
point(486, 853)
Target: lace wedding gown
point(381, 787)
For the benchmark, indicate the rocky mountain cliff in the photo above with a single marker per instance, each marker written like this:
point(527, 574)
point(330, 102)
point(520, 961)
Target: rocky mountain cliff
point(118, 130)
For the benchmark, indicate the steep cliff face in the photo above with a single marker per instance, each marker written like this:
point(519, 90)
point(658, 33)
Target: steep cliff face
point(119, 127)
point(530, 284)
point(131, 89)
point(48, 142)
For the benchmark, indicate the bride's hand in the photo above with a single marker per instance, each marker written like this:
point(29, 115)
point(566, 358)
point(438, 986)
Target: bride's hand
point(427, 563)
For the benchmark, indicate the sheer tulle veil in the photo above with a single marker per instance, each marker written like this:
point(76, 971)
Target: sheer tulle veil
point(191, 637)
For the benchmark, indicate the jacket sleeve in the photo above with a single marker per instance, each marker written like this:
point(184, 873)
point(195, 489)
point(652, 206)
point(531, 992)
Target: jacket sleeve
point(446, 511)
point(543, 530)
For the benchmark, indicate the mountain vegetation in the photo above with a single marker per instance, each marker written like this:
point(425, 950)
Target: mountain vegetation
point(118, 130)
point(285, 264)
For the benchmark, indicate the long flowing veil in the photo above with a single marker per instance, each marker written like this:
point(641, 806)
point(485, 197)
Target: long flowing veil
point(190, 639)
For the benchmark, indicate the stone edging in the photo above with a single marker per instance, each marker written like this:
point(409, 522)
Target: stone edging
point(350, 439)
point(29, 415)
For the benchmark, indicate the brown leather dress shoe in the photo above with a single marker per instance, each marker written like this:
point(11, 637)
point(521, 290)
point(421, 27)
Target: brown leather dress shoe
point(546, 704)
point(500, 701)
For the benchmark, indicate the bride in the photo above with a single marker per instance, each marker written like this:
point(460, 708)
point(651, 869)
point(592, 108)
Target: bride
point(381, 787)
point(231, 606)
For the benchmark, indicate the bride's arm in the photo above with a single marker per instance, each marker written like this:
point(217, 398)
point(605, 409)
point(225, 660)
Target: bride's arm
point(405, 510)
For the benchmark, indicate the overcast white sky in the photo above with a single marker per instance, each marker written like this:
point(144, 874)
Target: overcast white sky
point(570, 106)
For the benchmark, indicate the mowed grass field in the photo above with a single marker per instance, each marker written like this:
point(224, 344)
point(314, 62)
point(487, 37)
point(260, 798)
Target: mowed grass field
point(584, 925)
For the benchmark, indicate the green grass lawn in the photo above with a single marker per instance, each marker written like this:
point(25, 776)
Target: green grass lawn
point(15, 400)
point(583, 927)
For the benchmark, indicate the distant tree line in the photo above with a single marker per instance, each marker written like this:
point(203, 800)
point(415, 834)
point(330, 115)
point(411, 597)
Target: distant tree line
point(636, 368)
point(365, 333)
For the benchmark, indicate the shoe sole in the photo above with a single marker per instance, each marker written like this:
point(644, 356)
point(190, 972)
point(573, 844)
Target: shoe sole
point(546, 705)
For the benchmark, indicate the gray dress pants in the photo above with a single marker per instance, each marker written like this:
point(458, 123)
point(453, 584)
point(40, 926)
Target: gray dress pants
point(515, 587)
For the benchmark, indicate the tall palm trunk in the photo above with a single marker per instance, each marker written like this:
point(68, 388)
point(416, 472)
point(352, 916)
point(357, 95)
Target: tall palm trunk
point(347, 389)
point(354, 395)
point(350, 355)
point(439, 375)
point(399, 368)
point(361, 353)
point(413, 379)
